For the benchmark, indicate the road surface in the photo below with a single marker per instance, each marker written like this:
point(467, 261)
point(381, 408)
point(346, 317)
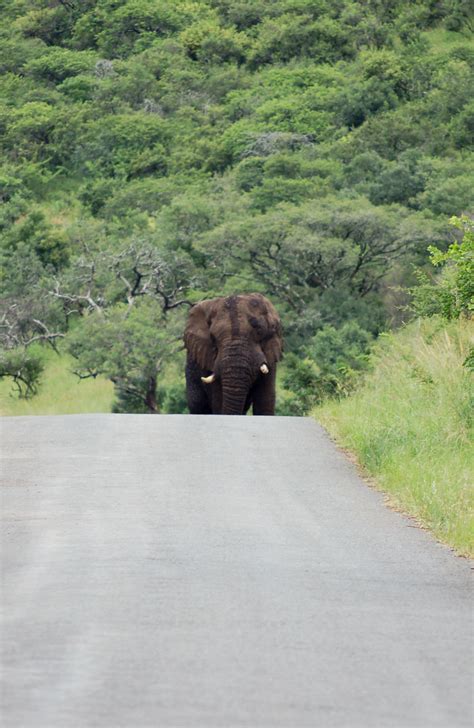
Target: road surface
point(217, 571)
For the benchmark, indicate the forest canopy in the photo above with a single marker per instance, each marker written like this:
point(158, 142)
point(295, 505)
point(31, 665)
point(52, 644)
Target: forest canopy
point(157, 153)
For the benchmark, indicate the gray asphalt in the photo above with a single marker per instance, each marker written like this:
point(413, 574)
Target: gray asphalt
point(218, 571)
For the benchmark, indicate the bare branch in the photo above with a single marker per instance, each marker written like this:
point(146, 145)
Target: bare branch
point(86, 374)
point(77, 298)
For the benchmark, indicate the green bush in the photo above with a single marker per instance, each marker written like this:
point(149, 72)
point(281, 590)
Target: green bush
point(302, 379)
point(249, 173)
point(51, 24)
point(16, 52)
point(172, 399)
point(117, 29)
point(279, 189)
point(210, 43)
point(124, 144)
point(37, 234)
point(340, 354)
point(452, 196)
point(113, 199)
point(330, 365)
point(29, 130)
point(451, 294)
point(57, 64)
point(399, 181)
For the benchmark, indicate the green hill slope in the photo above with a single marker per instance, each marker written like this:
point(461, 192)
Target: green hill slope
point(156, 152)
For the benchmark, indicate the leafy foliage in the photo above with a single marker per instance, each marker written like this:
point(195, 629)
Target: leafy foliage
point(451, 294)
point(155, 153)
point(129, 347)
point(24, 367)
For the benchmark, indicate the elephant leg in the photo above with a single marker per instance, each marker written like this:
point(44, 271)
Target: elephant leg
point(215, 397)
point(263, 395)
point(248, 402)
point(199, 405)
point(197, 397)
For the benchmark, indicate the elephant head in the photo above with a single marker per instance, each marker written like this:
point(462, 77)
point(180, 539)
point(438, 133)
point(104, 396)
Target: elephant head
point(236, 343)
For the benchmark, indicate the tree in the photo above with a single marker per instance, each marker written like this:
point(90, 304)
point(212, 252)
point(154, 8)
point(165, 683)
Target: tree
point(129, 346)
point(130, 322)
point(29, 318)
point(298, 253)
point(21, 332)
point(24, 367)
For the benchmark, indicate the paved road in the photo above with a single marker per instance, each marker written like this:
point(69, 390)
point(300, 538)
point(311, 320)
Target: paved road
point(217, 571)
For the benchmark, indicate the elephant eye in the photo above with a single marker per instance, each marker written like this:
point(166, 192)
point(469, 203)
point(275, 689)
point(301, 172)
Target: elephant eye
point(260, 326)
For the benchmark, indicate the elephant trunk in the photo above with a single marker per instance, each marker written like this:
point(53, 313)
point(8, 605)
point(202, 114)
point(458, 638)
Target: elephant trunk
point(234, 398)
point(236, 378)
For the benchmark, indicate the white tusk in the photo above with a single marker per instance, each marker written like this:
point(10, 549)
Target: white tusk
point(208, 380)
point(264, 369)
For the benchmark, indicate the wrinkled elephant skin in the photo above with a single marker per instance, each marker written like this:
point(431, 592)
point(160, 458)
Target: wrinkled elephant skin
point(233, 346)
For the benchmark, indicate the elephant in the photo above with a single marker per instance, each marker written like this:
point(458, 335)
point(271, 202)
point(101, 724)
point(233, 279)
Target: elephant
point(233, 345)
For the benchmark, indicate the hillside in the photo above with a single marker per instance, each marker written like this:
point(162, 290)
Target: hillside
point(155, 153)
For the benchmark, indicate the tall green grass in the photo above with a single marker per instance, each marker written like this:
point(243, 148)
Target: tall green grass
point(60, 392)
point(410, 426)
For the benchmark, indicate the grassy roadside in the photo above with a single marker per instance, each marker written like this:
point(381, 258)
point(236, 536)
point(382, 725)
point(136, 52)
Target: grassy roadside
point(60, 392)
point(410, 426)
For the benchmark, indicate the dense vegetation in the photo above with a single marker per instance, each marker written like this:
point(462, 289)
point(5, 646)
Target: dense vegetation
point(410, 421)
point(155, 153)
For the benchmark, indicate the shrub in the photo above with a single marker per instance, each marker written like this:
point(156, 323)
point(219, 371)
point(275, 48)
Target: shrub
point(340, 354)
point(47, 241)
point(29, 129)
point(118, 28)
point(452, 293)
point(451, 196)
point(122, 144)
point(249, 173)
point(147, 195)
point(334, 358)
point(57, 64)
point(302, 379)
point(208, 42)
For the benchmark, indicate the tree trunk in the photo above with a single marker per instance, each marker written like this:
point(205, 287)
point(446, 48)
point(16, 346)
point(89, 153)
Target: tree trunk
point(150, 397)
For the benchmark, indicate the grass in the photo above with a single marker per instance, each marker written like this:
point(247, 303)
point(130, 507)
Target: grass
point(60, 392)
point(410, 426)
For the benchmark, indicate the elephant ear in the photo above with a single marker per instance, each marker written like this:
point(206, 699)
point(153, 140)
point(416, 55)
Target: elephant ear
point(197, 335)
point(272, 339)
point(273, 344)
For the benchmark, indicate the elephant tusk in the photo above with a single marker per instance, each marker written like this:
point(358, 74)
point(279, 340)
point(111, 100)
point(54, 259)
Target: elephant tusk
point(264, 369)
point(208, 380)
